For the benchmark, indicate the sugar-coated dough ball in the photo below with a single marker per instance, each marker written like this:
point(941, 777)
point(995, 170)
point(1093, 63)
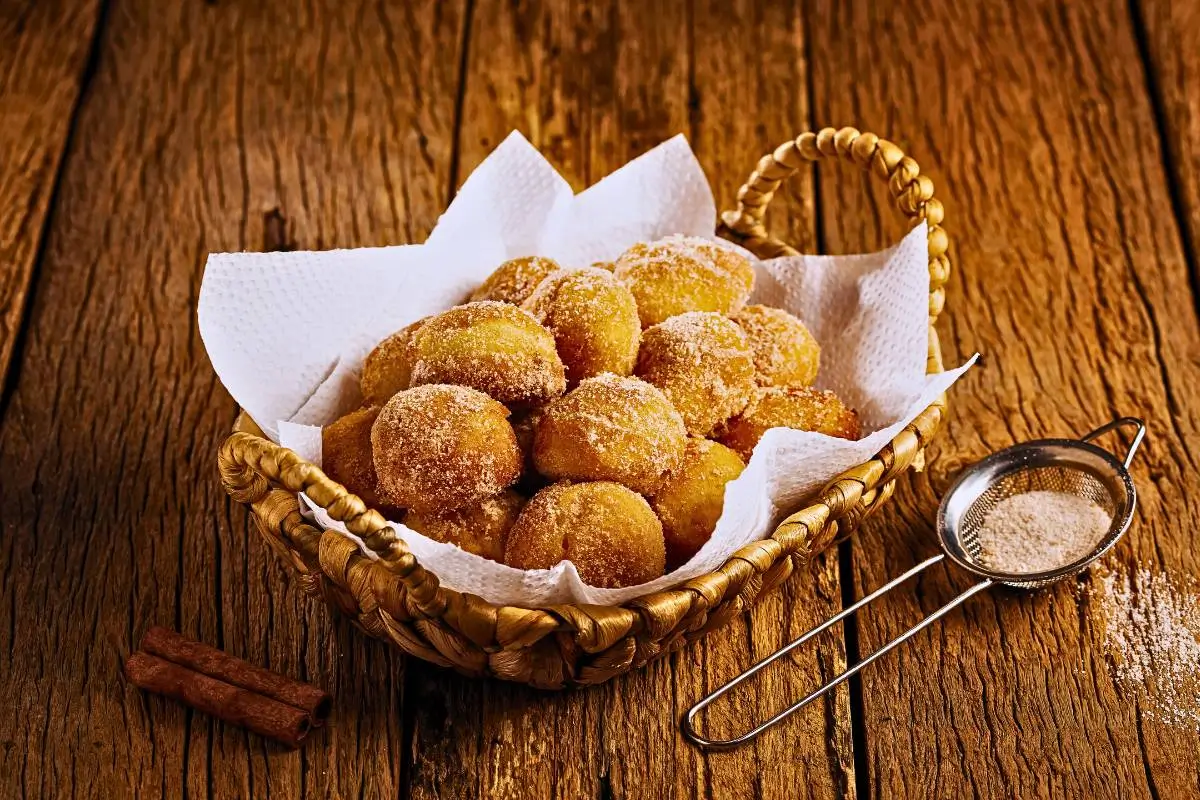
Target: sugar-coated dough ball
point(607, 531)
point(610, 428)
point(480, 528)
point(514, 280)
point(785, 353)
point(346, 458)
point(594, 319)
point(703, 363)
point(790, 407)
point(494, 347)
point(691, 499)
point(685, 273)
point(388, 368)
point(437, 448)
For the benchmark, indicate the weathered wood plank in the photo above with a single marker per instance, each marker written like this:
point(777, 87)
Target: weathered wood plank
point(43, 54)
point(593, 87)
point(1170, 38)
point(1034, 122)
point(207, 127)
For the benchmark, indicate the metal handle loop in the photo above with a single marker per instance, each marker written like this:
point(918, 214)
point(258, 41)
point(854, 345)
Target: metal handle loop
point(1123, 422)
point(689, 721)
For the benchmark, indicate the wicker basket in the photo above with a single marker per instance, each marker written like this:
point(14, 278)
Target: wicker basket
point(396, 599)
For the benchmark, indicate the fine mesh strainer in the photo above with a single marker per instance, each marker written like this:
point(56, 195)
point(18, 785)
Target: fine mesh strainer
point(1075, 466)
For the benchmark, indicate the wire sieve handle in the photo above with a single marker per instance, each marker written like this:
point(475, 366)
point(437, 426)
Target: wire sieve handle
point(1123, 422)
point(689, 721)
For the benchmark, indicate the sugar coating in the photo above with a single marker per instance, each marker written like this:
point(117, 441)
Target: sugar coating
point(494, 347)
point(703, 363)
point(438, 448)
point(480, 528)
point(388, 368)
point(594, 319)
point(610, 428)
point(691, 499)
point(607, 531)
point(684, 273)
point(785, 352)
point(514, 280)
point(798, 407)
point(346, 457)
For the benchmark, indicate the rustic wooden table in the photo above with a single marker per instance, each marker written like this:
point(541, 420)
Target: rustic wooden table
point(135, 137)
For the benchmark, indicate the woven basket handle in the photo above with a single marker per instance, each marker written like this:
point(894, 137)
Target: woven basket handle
point(251, 466)
point(911, 191)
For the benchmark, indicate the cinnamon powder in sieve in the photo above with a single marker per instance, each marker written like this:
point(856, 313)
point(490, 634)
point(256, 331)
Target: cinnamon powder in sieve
point(1039, 531)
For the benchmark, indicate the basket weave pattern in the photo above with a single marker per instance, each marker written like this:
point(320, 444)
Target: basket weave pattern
point(396, 599)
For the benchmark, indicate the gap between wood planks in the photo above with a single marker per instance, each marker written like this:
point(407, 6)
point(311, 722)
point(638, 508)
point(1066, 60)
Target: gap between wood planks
point(11, 370)
point(1162, 126)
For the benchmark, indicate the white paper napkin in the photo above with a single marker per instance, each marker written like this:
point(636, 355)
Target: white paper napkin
point(287, 333)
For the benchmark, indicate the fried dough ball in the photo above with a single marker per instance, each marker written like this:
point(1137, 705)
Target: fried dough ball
point(388, 368)
point(684, 273)
point(480, 528)
point(494, 347)
point(594, 319)
point(439, 448)
point(690, 501)
point(346, 458)
point(514, 280)
point(703, 363)
point(785, 353)
point(607, 531)
point(610, 428)
point(790, 407)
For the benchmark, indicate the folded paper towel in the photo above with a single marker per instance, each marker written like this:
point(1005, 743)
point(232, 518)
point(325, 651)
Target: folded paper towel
point(287, 334)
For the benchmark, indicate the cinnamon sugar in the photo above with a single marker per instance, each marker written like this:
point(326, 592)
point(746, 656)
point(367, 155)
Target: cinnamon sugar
point(1040, 530)
point(1152, 637)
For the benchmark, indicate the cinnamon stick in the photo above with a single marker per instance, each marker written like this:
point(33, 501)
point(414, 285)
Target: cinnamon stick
point(261, 714)
point(210, 661)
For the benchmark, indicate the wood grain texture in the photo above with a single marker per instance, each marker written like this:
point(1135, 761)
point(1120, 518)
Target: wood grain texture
point(1034, 121)
point(44, 49)
point(593, 86)
point(208, 127)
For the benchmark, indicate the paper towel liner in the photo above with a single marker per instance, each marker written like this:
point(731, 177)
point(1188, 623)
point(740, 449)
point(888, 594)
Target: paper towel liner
point(287, 334)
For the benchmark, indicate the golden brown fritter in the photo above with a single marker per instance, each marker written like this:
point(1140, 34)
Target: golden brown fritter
point(494, 347)
point(438, 448)
point(594, 319)
point(796, 407)
point(684, 273)
point(703, 364)
point(610, 428)
point(691, 499)
point(607, 531)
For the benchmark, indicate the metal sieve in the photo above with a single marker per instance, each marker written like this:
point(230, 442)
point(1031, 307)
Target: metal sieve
point(1062, 465)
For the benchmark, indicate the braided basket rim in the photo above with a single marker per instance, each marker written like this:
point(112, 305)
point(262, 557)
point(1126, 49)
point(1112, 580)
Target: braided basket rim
point(395, 598)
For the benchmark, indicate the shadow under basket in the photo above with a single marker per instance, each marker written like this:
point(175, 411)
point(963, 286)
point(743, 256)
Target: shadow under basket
point(396, 599)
